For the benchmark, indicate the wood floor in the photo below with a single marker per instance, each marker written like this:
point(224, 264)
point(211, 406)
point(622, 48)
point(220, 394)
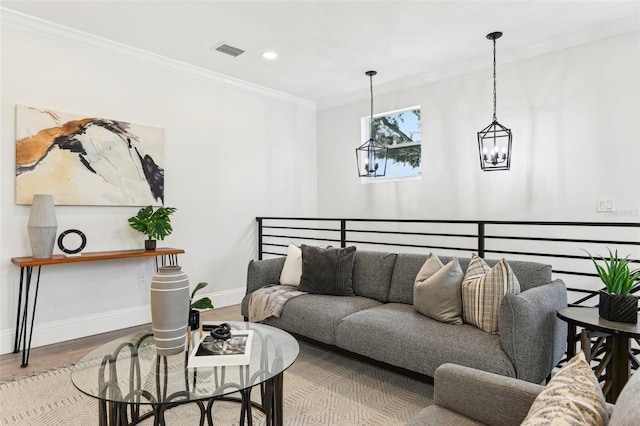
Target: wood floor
point(66, 353)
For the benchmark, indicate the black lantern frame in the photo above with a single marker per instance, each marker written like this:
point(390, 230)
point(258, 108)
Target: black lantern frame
point(494, 146)
point(371, 156)
point(494, 141)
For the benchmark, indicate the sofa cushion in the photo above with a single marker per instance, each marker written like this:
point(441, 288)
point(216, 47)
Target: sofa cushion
point(572, 397)
point(530, 274)
point(482, 291)
point(316, 315)
point(372, 274)
point(292, 269)
point(432, 343)
point(404, 276)
point(437, 290)
point(327, 270)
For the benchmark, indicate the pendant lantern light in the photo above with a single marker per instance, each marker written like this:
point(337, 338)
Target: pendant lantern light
point(494, 141)
point(371, 156)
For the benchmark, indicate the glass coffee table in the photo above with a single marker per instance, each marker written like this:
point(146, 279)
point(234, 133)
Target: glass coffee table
point(132, 383)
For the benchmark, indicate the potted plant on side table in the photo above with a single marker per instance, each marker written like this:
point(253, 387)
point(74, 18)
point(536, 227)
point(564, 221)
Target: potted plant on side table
point(616, 304)
point(156, 225)
point(195, 307)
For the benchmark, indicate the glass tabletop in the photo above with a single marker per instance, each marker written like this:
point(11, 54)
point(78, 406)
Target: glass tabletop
point(128, 370)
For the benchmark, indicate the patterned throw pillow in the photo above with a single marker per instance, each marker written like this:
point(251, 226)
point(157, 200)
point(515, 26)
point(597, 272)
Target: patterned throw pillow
point(327, 270)
point(437, 291)
point(572, 397)
point(482, 291)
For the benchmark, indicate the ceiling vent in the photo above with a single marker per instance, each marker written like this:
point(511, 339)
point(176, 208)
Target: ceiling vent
point(229, 50)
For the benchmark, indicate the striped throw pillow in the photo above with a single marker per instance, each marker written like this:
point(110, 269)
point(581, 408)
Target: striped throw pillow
point(572, 397)
point(482, 291)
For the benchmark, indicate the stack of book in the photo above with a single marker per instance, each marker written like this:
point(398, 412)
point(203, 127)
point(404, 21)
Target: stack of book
point(211, 352)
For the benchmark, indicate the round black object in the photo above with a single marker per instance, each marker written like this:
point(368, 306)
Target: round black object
point(83, 241)
point(221, 332)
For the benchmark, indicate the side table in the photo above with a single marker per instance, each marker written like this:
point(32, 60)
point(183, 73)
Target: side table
point(616, 362)
point(27, 264)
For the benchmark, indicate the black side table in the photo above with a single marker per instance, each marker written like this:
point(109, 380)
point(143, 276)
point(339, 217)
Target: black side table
point(616, 361)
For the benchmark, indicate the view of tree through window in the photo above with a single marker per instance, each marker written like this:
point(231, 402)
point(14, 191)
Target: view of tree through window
point(401, 132)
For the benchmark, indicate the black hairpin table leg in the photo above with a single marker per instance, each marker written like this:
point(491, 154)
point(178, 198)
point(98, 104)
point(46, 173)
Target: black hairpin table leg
point(18, 336)
point(22, 317)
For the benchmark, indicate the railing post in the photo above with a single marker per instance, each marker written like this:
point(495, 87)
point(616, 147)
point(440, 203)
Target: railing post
point(480, 239)
point(343, 233)
point(259, 220)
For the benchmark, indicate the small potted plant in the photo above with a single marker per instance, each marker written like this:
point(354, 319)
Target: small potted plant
point(195, 306)
point(616, 304)
point(156, 225)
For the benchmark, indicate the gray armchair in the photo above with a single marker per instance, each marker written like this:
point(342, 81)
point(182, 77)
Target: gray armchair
point(466, 396)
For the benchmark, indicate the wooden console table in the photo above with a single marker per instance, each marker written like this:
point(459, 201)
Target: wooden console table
point(26, 264)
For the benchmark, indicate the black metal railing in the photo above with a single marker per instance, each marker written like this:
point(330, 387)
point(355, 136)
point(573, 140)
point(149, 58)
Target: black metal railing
point(561, 244)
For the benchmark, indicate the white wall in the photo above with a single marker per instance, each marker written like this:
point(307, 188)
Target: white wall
point(575, 117)
point(231, 153)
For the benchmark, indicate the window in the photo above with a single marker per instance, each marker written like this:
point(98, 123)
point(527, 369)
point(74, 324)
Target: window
point(400, 131)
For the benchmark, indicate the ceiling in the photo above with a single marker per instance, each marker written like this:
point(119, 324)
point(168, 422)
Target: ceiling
point(325, 47)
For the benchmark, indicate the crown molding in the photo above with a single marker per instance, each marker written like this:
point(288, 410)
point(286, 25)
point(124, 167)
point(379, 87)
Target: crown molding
point(49, 29)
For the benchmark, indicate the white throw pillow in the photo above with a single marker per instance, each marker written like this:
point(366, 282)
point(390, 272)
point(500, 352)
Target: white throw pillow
point(292, 269)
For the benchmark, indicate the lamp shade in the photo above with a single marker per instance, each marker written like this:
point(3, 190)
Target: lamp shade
point(42, 225)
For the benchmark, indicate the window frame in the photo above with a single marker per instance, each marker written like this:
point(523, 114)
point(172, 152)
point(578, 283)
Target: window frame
point(365, 130)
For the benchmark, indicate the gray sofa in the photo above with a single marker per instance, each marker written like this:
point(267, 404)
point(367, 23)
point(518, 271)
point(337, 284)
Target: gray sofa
point(380, 322)
point(465, 396)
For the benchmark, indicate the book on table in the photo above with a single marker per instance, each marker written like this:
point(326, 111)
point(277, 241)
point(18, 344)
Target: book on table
point(211, 352)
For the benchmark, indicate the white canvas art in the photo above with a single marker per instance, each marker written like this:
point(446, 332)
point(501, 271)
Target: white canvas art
point(84, 160)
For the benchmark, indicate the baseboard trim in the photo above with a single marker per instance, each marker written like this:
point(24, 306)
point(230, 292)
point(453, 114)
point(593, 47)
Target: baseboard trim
point(88, 325)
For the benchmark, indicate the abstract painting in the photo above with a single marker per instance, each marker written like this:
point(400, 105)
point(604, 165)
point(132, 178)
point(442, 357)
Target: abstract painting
point(85, 161)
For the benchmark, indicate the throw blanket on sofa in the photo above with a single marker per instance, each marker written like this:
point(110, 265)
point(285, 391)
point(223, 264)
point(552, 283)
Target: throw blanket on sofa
point(268, 301)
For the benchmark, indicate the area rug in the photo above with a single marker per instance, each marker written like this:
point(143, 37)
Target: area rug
point(320, 388)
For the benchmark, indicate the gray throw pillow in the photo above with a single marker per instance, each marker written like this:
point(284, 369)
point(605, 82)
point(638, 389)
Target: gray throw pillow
point(437, 292)
point(327, 270)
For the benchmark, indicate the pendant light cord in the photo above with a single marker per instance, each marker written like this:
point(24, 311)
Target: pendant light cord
point(371, 116)
point(494, 81)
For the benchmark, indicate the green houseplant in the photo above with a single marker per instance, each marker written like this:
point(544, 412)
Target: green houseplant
point(156, 225)
point(616, 304)
point(195, 306)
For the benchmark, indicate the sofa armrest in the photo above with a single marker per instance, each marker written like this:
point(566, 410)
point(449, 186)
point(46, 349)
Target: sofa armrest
point(482, 396)
point(264, 272)
point(532, 336)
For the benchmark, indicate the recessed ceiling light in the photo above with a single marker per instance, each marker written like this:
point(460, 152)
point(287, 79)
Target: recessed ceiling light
point(269, 55)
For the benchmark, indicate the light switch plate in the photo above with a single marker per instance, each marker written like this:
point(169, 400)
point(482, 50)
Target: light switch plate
point(606, 205)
